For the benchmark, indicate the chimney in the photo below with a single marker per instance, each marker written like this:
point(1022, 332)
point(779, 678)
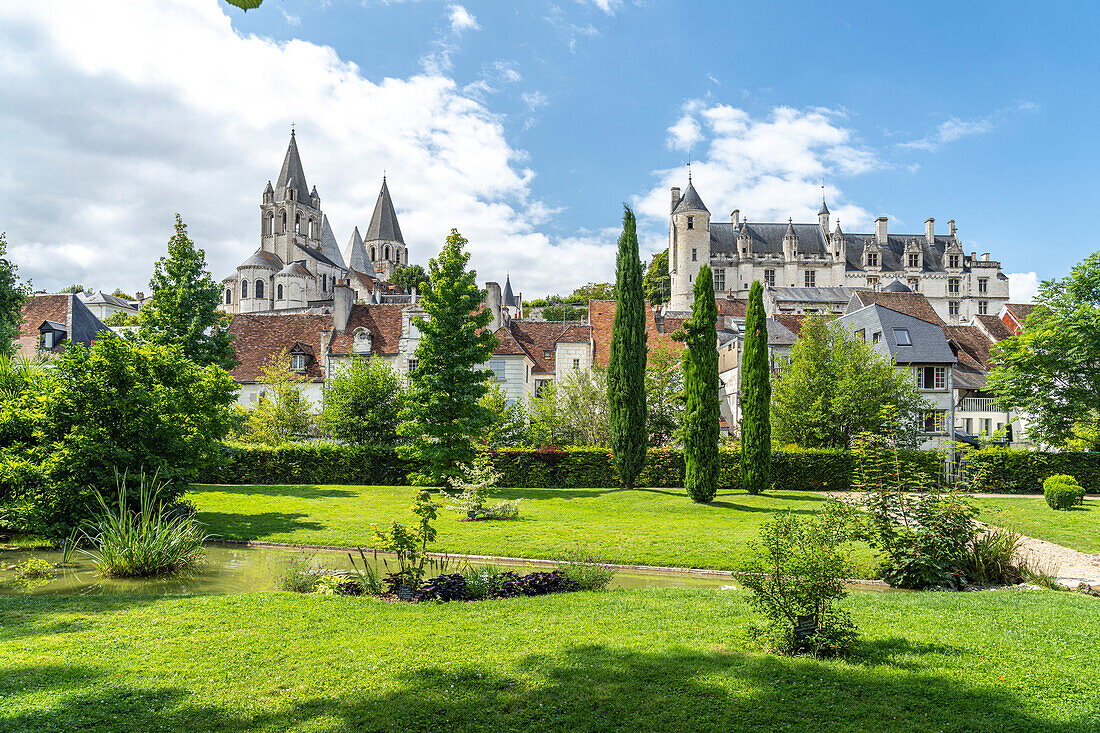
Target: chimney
point(973, 256)
point(342, 299)
point(413, 294)
point(493, 303)
point(951, 228)
point(985, 257)
point(140, 296)
point(675, 198)
point(735, 217)
point(930, 230)
point(880, 230)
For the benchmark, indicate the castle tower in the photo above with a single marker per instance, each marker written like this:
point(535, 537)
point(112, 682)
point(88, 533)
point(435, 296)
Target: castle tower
point(688, 245)
point(384, 244)
point(291, 212)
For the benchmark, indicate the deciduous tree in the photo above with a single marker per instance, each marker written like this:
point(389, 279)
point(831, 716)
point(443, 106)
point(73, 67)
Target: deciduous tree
point(12, 296)
point(363, 402)
point(283, 412)
point(656, 278)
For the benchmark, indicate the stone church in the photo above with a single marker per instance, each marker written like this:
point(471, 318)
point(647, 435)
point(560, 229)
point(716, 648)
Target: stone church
point(299, 262)
point(786, 255)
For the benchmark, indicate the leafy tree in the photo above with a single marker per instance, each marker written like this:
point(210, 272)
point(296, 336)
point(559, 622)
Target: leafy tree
point(76, 288)
point(626, 369)
point(183, 308)
point(1051, 370)
point(664, 395)
point(118, 405)
point(363, 403)
point(836, 387)
point(283, 412)
point(593, 291)
point(412, 276)
point(564, 313)
point(509, 426)
point(120, 293)
point(700, 429)
point(122, 319)
point(756, 394)
point(442, 412)
point(12, 297)
point(546, 417)
point(656, 278)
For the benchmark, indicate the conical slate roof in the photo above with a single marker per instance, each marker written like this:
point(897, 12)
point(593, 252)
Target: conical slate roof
point(691, 200)
point(329, 247)
point(507, 296)
point(383, 224)
point(824, 209)
point(291, 174)
point(897, 287)
point(355, 254)
point(790, 230)
point(261, 258)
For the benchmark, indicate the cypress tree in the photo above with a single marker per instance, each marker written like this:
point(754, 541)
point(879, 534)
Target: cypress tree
point(701, 413)
point(626, 369)
point(756, 395)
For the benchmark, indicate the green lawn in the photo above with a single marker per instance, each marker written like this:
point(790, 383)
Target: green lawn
point(642, 526)
point(1078, 528)
point(664, 660)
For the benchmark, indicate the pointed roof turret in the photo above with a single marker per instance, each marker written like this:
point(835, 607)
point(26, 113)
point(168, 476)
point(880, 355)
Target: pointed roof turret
point(383, 224)
point(313, 193)
point(790, 230)
point(508, 297)
point(291, 175)
point(691, 200)
point(824, 209)
point(269, 189)
point(329, 247)
point(355, 254)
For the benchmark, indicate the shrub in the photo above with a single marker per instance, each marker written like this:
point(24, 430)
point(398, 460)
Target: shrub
point(35, 567)
point(1000, 470)
point(796, 577)
point(299, 576)
point(1063, 492)
point(481, 581)
point(363, 399)
point(534, 584)
point(142, 542)
point(477, 483)
point(337, 585)
point(590, 572)
point(443, 588)
point(991, 559)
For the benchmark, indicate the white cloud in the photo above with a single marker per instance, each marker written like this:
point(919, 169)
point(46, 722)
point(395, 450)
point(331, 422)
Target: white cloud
point(956, 128)
point(290, 19)
point(151, 126)
point(534, 100)
point(1022, 286)
point(769, 167)
point(461, 19)
point(607, 6)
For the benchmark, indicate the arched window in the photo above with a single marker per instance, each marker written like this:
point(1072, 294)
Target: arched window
point(324, 282)
point(313, 233)
point(269, 223)
point(297, 223)
point(278, 292)
point(259, 288)
point(386, 252)
point(244, 289)
point(228, 296)
point(373, 254)
point(283, 230)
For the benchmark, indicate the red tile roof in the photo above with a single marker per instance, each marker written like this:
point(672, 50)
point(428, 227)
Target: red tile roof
point(507, 343)
point(912, 304)
point(732, 307)
point(1020, 311)
point(601, 317)
point(259, 337)
point(995, 327)
point(538, 339)
point(383, 322)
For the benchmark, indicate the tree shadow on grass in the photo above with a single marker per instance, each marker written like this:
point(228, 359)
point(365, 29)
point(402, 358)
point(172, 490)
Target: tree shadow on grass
point(580, 688)
point(299, 491)
point(231, 526)
point(25, 616)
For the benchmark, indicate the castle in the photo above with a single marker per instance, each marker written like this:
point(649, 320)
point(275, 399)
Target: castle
point(299, 262)
point(809, 256)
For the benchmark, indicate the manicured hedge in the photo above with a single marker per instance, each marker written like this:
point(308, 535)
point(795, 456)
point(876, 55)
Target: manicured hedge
point(1003, 471)
point(309, 463)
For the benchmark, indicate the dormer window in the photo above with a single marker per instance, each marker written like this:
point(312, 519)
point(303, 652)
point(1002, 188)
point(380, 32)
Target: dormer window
point(901, 336)
point(691, 224)
point(914, 259)
point(298, 362)
point(872, 259)
point(953, 261)
point(362, 342)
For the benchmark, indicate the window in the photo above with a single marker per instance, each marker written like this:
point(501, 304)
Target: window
point(694, 258)
point(496, 366)
point(983, 284)
point(414, 363)
point(862, 335)
point(901, 336)
point(983, 307)
point(691, 225)
point(934, 421)
point(952, 307)
point(872, 259)
point(576, 363)
point(914, 259)
point(373, 254)
point(769, 277)
point(810, 277)
point(547, 354)
point(279, 292)
point(283, 230)
point(244, 288)
point(876, 336)
point(324, 282)
point(953, 261)
point(987, 426)
point(298, 362)
point(932, 377)
point(872, 282)
point(968, 425)
point(259, 288)
point(228, 296)
point(719, 280)
point(953, 285)
point(527, 373)
point(386, 252)
point(297, 223)
point(914, 283)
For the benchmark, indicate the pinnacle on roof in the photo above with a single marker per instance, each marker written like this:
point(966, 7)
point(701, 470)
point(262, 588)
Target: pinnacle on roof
point(355, 254)
point(313, 192)
point(691, 200)
point(838, 231)
point(269, 189)
point(329, 247)
point(790, 230)
point(824, 209)
point(291, 174)
point(508, 297)
point(383, 224)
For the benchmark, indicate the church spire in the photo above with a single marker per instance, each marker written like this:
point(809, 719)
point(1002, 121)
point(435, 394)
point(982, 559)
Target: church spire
point(383, 224)
point(291, 175)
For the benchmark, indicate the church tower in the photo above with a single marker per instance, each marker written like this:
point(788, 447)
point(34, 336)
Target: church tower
point(291, 212)
point(688, 245)
point(383, 242)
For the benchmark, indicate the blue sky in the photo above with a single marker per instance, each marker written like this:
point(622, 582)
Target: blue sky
point(546, 116)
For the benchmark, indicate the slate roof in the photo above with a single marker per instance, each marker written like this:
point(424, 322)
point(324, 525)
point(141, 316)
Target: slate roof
point(329, 247)
point(314, 254)
point(779, 334)
point(811, 295)
point(355, 254)
point(383, 224)
point(106, 299)
point(507, 297)
point(897, 287)
point(292, 174)
point(257, 337)
point(892, 257)
point(913, 304)
point(294, 269)
point(690, 201)
point(383, 322)
point(767, 238)
point(928, 340)
point(64, 309)
point(262, 258)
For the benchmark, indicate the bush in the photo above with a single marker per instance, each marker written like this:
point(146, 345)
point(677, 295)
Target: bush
point(589, 572)
point(1063, 492)
point(482, 581)
point(992, 559)
point(443, 588)
point(534, 584)
point(1004, 471)
point(299, 576)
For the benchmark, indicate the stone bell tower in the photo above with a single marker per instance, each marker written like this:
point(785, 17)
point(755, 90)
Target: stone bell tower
point(688, 245)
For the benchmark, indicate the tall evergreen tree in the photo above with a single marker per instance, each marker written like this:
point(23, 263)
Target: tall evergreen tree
point(701, 413)
point(442, 410)
point(12, 297)
point(183, 309)
point(626, 369)
point(756, 395)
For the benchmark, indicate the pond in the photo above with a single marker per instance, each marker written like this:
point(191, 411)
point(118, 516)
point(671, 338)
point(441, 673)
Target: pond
point(250, 569)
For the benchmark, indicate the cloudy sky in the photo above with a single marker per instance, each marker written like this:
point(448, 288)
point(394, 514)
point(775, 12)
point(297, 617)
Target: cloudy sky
point(528, 127)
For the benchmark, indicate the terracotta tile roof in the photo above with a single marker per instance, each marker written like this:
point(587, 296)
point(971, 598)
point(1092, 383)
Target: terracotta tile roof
point(576, 334)
point(732, 307)
point(538, 339)
point(601, 317)
point(383, 322)
point(506, 342)
point(911, 304)
point(672, 324)
point(369, 282)
point(973, 355)
point(995, 327)
point(258, 337)
point(1020, 311)
point(793, 323)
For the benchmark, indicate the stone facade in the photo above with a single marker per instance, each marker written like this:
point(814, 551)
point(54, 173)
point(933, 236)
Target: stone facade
point(789, 255)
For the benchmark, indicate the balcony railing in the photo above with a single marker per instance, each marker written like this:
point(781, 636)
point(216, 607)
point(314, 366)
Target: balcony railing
point(978, 404)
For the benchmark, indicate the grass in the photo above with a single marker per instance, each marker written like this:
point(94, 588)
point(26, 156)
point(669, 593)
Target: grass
point(651, 660)
point(640, 527)
point(1077, 528)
